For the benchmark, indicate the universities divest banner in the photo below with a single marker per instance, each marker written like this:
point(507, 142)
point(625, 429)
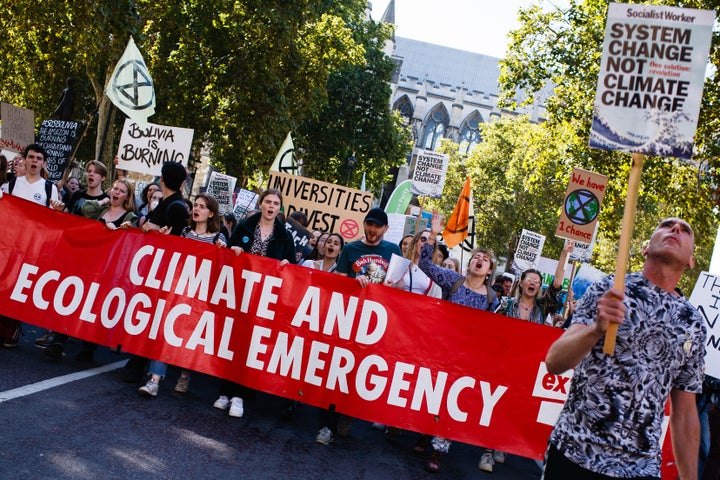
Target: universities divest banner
point(329, 207)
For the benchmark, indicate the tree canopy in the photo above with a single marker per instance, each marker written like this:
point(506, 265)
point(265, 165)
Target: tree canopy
point(240, 73)
point(357, 121)
point(521, 170)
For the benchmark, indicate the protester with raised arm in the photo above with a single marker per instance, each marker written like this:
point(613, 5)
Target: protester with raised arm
point(611, 424)
point(472, 290)
point(532, 303)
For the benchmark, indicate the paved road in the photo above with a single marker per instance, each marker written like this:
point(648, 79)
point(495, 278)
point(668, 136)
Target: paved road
point(58, 425)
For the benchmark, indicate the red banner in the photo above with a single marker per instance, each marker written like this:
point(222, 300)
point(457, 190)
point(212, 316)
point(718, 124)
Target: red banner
point(377, 353)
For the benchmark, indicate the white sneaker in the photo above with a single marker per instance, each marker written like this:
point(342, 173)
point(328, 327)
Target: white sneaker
point(324, 436)
point(236, 407)
point(486, 462)
point(498, 456)
point(378, 426)
point(150, 389)
point(222, 403)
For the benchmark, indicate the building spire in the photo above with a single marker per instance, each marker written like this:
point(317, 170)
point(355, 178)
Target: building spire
point(389, 15)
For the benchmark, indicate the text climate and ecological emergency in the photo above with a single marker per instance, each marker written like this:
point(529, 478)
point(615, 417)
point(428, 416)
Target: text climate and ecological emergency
point(331, 316)
point(304, 334)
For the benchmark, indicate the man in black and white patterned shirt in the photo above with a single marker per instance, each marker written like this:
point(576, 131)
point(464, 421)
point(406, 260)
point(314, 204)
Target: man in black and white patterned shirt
point(610, 426)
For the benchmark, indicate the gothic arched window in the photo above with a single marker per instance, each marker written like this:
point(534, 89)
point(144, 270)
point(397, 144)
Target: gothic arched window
point(434, 129)
point(470, 133)
point(405, 108)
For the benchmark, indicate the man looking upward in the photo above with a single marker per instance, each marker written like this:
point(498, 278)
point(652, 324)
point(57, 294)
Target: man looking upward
point(610, 426)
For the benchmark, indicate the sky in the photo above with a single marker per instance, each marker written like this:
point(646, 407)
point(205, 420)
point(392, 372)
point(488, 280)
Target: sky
point(471, 25)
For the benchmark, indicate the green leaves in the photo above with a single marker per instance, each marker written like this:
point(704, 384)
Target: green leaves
point(240, 73)
point(562, 49)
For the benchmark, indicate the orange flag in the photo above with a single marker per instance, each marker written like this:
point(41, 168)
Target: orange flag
point(456, 229)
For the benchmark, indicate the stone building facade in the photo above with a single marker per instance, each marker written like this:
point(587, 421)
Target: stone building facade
point(446, 92)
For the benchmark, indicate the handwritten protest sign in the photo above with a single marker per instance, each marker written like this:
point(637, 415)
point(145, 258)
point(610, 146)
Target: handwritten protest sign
point(58, 137)
point(18, 127)
point(527, 254)
point(145, 149)
point(245, 201)
point(329, 207)
point(651, 79)
point(221, 188)
point(706, 298)
point(583, 197)
point(429, 174)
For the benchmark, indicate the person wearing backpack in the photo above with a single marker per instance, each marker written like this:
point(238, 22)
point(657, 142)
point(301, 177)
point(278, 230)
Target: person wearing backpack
point(472, 290)
point(172, 212)
point(32, 187)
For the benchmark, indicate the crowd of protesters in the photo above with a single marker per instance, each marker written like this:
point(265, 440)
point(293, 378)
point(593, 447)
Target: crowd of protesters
point(431, 271)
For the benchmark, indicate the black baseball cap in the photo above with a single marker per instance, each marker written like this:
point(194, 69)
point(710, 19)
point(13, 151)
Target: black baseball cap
point(377, 216)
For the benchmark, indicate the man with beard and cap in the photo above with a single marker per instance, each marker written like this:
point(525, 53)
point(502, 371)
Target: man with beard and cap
point(367, 259)
point(612, 421)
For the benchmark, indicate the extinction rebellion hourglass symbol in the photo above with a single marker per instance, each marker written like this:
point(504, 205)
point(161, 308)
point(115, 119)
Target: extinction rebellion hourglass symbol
point(582, 207)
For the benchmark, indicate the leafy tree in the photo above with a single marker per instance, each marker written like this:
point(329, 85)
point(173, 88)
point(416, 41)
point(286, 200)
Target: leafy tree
point(563, 49)
point(249, 71)
point(240, 73)
point(519, 174)
point(44, 43)
point(357, 120)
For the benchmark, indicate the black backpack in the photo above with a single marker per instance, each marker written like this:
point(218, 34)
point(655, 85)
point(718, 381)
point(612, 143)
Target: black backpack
point(48, 189)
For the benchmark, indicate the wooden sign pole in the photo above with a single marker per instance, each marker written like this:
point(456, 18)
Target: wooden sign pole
point(625, 237)
point(570, 296)
point(417, 221)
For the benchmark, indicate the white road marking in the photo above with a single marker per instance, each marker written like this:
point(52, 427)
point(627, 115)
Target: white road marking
point(57, 381)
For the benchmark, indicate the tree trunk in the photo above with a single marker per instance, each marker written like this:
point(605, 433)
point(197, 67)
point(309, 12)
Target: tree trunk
point(106, 114)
